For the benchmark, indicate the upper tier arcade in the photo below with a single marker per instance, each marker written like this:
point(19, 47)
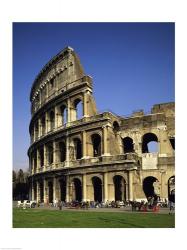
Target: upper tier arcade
point(60, 76)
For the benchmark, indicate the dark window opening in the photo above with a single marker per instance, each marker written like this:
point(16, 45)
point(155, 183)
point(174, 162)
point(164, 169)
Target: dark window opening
point(128, 145)
point(51, 83)
point(52, 120)
point(62, 147)
point(116, 127)
point(50, 154)
point(43, 125)
point(41, 152)
point(78, 148)
point(96, 142)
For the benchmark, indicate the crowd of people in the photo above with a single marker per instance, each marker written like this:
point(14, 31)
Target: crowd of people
point(152, 203)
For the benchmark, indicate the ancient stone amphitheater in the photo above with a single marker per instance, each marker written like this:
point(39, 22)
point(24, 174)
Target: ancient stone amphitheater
point(78, 153)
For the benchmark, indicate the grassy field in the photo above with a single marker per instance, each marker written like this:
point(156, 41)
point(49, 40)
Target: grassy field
point(38, 218)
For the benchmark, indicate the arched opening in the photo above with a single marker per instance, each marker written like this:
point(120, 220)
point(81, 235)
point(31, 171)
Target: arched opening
point(62, 149)
point(35, 191)
point(41, 187)
point(52, 120)
point(41, 153)
point(150, 143)
point(78, 109)
point(43, 125)
point(63, 114)
point(116, 127)
point(171, 189)
point(128, 146)
point(96, 142)
point(97, 186)
point(151, 187)
point(120, 188)
point(77, 189)
point(78, 148)
point(50, 153)
point(50, 188)
point(63, 190)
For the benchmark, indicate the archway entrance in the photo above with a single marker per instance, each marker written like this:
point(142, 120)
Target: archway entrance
point(171, 189)
point(63, 190)
point(151, 187)
point(120, 188)
point(97, 186)
point(35, 191)
point(50, 187)
point(77, 189)
point(41, 186)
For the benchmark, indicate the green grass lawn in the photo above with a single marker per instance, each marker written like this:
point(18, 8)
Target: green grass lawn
point(38, 218)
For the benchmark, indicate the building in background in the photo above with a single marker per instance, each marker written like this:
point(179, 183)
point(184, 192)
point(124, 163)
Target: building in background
point(78, 153)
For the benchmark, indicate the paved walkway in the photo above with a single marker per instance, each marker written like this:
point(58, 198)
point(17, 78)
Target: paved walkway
point(115, 210)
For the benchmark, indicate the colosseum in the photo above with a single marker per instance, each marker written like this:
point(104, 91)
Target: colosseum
point(79, 153)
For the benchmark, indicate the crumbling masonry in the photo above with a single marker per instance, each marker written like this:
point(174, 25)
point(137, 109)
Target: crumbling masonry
point(77, 153)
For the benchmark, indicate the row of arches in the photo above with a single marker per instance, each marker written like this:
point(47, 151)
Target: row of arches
point(77, 189)
point(76, 149)
point(47, 121)
point(46, 156)
point(150, 188)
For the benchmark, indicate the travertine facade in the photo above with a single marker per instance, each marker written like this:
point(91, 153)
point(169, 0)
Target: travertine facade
point(77, 153)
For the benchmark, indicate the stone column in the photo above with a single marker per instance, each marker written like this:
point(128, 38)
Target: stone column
point(105, 140)
point(39, 128)
point(57, 117)
point(105, 186)
point(46, 122)
point(85, 105)
point(54, 153)
point(32, 191)
point(37, 191)
point(45, 191)
point(67, 188)
point(130, 185)
point(58, 190)
point(84, 197)
point(54, 188)
point(84, 153)
point(67, 150)
point(40, 98)
point(68, 118)
point(38, 160)
point(45, 156)
point(47, 89)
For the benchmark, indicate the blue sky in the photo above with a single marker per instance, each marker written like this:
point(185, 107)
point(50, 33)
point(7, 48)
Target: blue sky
point(132, 65)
